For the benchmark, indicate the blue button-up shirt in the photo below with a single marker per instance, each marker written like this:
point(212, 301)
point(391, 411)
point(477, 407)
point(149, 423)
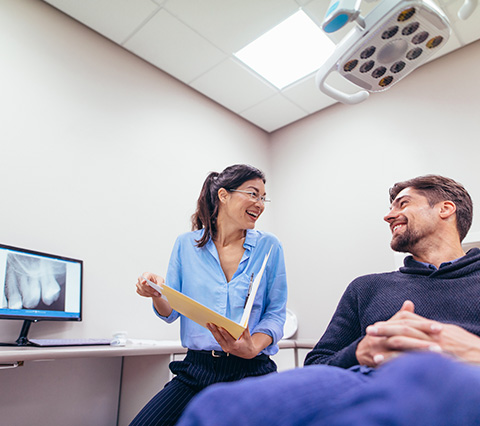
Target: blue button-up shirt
point(197, 273)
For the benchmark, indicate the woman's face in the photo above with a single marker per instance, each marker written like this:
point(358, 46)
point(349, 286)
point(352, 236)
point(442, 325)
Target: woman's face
point(244, 205)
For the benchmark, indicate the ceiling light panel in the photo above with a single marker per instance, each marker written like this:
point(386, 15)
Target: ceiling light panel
point(288, 52)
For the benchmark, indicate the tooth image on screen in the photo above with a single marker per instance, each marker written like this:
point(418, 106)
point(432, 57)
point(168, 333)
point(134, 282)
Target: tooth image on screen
point(33, 282)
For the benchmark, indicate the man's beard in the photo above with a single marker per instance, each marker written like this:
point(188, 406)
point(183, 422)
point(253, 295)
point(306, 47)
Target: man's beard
point(406, 241)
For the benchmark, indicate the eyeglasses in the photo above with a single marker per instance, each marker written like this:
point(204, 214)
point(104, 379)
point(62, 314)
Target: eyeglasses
point(253, 195)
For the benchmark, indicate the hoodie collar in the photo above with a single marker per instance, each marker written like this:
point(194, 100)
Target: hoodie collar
point(412, 266)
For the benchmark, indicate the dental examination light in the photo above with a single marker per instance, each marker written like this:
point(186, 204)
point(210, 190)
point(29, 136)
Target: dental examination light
point(396, 37)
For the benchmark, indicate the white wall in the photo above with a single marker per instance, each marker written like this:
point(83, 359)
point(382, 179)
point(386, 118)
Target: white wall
point(332, 172)
point(102, 159)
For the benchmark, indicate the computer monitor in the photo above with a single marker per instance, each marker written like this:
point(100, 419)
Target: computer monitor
point(38, 286)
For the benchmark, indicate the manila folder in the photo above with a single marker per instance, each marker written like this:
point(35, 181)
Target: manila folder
point(203, 315)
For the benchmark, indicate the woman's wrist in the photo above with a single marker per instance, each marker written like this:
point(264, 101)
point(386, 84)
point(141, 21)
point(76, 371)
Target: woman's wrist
point(162, 307)
point(260, 342)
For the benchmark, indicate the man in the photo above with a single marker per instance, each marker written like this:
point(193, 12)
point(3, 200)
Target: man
point(430, 306)
point(429, 217)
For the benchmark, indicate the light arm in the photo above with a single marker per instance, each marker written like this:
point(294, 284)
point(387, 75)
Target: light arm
point(345, 98)
point(467, 9)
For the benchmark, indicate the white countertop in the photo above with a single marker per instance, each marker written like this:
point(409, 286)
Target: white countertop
point(10, 354)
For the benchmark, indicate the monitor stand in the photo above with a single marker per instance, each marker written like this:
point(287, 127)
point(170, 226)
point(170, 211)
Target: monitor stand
point(22, 338)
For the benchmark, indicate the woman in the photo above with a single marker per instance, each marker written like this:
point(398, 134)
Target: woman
point(214, 264)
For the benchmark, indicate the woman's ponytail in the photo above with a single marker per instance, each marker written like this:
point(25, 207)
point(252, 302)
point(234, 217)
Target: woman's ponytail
point(207, 209)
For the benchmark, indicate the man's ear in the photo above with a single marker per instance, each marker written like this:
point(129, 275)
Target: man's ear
point(447, 209)
point(223, 195)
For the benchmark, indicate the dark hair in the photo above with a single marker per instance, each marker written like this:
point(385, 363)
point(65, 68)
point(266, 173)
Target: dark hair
point(207, 204)
point(437, 188)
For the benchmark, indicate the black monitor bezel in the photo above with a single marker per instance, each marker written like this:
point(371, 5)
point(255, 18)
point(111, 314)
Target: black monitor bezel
point(43, 316)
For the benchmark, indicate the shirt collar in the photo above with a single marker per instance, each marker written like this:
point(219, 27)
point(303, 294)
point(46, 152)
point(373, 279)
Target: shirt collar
point(251, 238)
point(433, 267)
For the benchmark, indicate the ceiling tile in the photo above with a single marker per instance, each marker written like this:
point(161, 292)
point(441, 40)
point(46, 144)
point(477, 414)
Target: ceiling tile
point(469, 33)
point(273, 113)
point(115, 19)
point(168, 44)
point(233, 85)
point(230, 25)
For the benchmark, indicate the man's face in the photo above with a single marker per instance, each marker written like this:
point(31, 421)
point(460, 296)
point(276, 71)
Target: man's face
point(411, 220)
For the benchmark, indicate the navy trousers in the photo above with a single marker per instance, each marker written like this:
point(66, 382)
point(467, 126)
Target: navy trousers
point(421, 389)
point(198, 370)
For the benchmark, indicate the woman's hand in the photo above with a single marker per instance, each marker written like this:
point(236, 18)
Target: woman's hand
point(247, 346)
point(145, 290)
